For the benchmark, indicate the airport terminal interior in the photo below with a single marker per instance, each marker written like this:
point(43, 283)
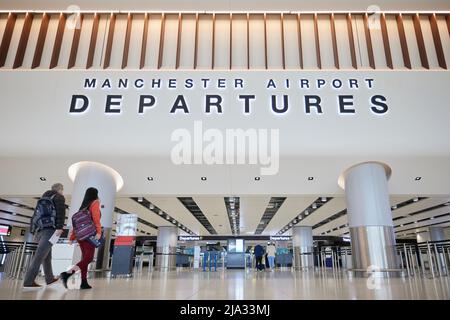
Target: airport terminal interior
point(317, 131)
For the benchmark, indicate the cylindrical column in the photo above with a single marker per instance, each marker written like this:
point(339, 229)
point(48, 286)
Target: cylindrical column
point(166, 248)
point(436, 233)
point(107, 181)
point(370, 216)
point(302, 243)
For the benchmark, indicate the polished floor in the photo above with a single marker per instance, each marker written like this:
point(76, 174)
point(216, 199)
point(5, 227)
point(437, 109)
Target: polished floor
point(237, 285)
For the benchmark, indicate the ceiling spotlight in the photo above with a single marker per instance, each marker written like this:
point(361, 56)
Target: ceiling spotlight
point(418, 178)
point(416, 199)
point(306, 212)
point(151, 206)
point(140, 199)
point(257, 178)
point(290, 224)
point(160, 212)
point(310, 178)
point(431, 218)
point(394, 207)
point(203, 178)
point(174, 221)
point(324, 199)
point(401, 225)
point(43, 179)
point(168, 218)
point(295, 221)
point(150, 178)
point(314, 206)
point(447, 204)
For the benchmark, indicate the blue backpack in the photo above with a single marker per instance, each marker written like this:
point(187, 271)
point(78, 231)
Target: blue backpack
point(44, 215)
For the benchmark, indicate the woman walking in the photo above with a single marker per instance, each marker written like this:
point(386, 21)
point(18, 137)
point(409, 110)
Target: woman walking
point(91, 202)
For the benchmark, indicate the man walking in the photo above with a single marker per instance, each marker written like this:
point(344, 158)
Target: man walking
point(259, 253)
point(48, 219)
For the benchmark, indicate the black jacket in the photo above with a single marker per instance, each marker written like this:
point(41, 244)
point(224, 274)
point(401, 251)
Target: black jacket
point(60, 206)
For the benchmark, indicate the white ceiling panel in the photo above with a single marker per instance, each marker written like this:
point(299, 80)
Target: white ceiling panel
point(291, 208)
point(7, 207)
point(132, 206)
point(418, 206)
point(177, 210)
point(328, 209)
point(251, 212)
point(215, 211)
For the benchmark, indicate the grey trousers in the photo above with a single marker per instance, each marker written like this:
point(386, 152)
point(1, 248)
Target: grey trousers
point(42, 256)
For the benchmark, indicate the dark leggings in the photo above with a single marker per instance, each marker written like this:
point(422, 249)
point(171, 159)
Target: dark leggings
point(87, 255)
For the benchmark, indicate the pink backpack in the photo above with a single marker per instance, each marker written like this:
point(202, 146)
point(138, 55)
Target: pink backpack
point(83, 225)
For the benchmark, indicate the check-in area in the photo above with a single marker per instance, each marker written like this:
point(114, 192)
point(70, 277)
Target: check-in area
point(225, 150)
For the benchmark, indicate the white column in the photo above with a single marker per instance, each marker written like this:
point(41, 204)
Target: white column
point(436, 233)
point(370, 216)
point(302, 242)
point(166, 247)
point(107, 181)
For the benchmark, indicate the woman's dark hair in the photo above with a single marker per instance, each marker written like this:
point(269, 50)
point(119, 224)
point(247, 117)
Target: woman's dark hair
point(90, 196)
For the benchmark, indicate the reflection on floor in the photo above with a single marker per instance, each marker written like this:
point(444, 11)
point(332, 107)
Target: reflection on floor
point(237, 284)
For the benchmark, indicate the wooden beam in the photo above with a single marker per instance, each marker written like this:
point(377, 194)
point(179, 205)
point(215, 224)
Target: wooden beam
point(299, 33)
point(265, 40)
point(283, 54)
point(368, 41)
point(126, 46)
point(144, 42)
point(109, 41)
point(196, 41)
point(58, 40)
point(316, 34)
point(213, 41)
point(93, 42)
point(437, 41)
point(248, 41)
point(7, 36)
point(75, 42)
point(180, 21)
point(387, 47)
point(161, 40)
point(231, 41)
point(351, 40)
point(403, 43)
point(448, 24)
point(334, 40)
point(23, 40)
point(40, 41)
point(420, 42)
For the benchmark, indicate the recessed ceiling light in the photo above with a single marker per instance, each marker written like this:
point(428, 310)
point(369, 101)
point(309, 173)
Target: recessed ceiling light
point(310, 178)
point(43, 179)
point(418, 178)
point(257, 178)
point(203, 178)
point(150, 178)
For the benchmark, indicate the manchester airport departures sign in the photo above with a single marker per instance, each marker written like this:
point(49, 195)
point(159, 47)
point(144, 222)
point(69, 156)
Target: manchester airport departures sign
point(216, 100)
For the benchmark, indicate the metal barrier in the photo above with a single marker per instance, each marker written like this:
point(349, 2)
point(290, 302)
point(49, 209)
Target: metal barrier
point(428, 259)
point(18, 257)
